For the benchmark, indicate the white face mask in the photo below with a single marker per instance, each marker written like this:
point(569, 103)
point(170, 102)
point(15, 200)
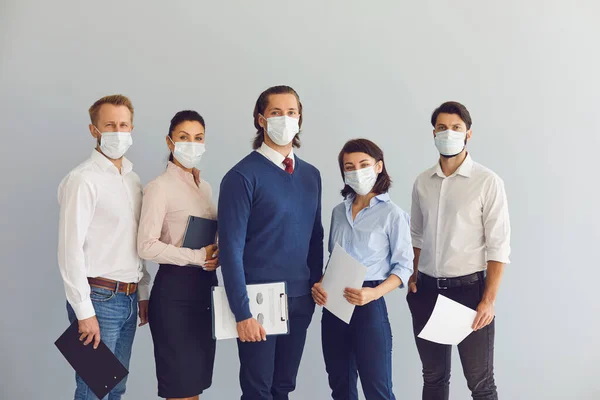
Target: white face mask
point(450, 143)
point(188, 154)
point(362, 180)
point(282, 130)
point(115, 144)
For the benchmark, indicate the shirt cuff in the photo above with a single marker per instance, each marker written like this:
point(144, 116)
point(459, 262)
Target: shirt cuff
point(404, 275)
point(143, 292)
point(84, 310)
point(498, 256)
point(200, 257)
point(417, 242)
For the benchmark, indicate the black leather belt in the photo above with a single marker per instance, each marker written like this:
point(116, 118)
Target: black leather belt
point(450, 283)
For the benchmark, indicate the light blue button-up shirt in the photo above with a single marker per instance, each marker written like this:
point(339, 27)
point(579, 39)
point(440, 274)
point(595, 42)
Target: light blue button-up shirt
point(378, 238)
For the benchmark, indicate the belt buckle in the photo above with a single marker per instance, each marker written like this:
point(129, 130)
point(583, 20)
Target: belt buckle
point(127, 290)
point(437, 281)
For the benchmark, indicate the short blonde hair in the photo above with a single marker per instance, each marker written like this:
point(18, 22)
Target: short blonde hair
point(115, 99)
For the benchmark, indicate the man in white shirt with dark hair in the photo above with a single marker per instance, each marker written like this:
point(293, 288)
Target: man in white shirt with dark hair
point(100, 203)
point(461, 238)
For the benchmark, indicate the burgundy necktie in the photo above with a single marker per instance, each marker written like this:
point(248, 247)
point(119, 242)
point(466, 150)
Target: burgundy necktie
point(289, 165)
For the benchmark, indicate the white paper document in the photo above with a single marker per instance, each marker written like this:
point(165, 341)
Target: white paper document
point(268, 304)
point(342, 271)
point(449, 323)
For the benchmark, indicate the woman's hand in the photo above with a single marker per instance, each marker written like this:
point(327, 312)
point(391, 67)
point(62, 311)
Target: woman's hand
point(360, 297)
point(212, 258)
point(319, 294)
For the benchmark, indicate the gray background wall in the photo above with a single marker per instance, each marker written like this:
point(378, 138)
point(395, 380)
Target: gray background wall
point(527, 70)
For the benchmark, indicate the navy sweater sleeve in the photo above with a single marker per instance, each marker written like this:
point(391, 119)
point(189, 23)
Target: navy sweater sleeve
point(315, 251)
point(235, 202)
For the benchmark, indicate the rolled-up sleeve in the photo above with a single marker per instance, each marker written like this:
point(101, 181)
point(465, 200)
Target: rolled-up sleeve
point(416, 219)
point(401, 247)
point(496, 222)
point(144, 283)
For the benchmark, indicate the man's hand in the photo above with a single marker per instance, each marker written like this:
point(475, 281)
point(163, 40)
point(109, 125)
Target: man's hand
point(90, 331)
point(360, 297)
point(212, 258)
point(249, 330)
point(143, 312)
point(485, 315)
point(319, 294)
point(412, 283)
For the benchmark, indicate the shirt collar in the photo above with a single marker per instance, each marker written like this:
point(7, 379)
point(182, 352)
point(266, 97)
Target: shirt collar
point(380, 198)
point(105, 164)
point(464, 169)
point(274, 155)
point(186, 176)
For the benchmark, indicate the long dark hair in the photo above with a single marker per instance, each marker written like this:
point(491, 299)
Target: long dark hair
point(261, 105)
point(184, 116)
point(384, 181)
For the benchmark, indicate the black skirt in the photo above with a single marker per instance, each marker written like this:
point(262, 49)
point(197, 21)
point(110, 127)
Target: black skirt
point(180, 318)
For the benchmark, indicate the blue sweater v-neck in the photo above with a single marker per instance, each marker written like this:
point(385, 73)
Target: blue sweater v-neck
point(270, 228)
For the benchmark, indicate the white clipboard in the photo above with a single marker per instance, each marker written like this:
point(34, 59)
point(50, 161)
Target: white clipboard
point(268, 304)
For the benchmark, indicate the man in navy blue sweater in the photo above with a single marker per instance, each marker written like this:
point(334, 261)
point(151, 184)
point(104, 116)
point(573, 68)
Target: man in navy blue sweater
point(270, 230)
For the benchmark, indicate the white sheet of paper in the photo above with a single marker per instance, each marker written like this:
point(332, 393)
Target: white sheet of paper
point(450, 322)
point(268, 304)
point(343, 271)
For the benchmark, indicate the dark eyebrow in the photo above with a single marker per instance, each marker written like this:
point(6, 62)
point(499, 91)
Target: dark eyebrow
point(362, 161)
point(195, 134)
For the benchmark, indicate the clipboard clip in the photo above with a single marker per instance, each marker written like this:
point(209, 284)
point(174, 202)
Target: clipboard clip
point(284, 308)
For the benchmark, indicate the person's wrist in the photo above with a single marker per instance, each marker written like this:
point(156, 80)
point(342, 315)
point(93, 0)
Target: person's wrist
point(488, 300)
point(378, 293)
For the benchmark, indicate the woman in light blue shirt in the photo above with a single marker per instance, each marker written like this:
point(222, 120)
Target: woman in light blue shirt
point(376, 232)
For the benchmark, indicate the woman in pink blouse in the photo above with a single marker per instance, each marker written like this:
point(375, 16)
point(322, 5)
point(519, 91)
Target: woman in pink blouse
point(179, 310)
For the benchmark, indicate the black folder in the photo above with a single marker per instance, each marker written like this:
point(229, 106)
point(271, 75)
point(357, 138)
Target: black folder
point(200, 232)
point(99, 368)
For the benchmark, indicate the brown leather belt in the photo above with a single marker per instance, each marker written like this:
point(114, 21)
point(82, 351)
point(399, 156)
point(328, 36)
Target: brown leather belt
point(109, 284)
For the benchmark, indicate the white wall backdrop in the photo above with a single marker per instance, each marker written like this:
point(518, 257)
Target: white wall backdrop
point(527, 70)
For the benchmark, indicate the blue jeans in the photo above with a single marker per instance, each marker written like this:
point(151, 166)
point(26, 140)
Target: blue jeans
point(363, 347)
point(117, 317)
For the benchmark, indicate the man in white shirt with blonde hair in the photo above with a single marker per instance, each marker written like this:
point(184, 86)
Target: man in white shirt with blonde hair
point(100, 202)
point(461, 238)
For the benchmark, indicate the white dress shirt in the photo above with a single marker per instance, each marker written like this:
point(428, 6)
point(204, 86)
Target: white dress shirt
point(461, 221)
point(97, 236)
point(275, 156)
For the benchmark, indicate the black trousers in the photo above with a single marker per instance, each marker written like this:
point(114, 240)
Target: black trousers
point(476, 350)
